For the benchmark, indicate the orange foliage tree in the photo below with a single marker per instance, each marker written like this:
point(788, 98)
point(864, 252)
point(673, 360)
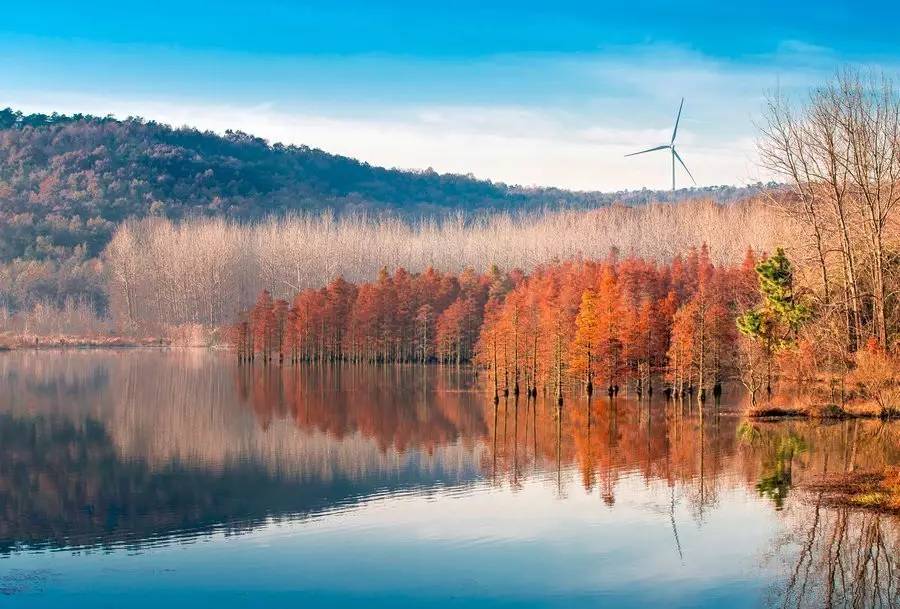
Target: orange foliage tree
point(576, 323)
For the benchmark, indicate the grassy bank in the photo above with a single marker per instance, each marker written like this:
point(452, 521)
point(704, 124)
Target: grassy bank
point(803, 408)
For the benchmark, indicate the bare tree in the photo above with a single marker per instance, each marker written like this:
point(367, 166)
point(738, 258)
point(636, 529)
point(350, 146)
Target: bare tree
point(839, 151)
point(205, 270)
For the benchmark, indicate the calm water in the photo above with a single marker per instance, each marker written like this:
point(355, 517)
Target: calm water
point(141, 478)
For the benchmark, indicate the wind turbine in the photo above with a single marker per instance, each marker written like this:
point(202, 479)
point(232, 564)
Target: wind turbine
point(671, 146)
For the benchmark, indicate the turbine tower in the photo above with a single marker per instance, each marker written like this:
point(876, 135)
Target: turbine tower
point(671, 146)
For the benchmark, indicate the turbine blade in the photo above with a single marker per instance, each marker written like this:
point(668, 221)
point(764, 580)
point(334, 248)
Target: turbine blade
point(677, 119)
point(677, 156)
point(650, 150)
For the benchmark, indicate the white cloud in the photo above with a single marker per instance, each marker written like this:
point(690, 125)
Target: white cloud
point(513, 145)
point(603, 107)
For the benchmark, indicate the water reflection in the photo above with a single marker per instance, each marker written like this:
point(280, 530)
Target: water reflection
point(140, 448)
point(838, 557)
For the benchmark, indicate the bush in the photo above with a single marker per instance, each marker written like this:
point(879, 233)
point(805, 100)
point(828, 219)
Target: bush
point(877, 377)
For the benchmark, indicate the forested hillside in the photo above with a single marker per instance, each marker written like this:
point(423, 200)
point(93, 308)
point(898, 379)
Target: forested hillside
point(67, 181)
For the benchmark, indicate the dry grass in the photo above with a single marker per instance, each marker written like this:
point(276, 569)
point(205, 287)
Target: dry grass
point(178, 335)
point(851, 410)
point(776, 411)
point(10, 341)
point(875, 491)
point(781, 406)
point(816, 405)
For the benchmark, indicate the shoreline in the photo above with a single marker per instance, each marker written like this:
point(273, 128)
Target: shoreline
point(42, 344)
point(826, 412)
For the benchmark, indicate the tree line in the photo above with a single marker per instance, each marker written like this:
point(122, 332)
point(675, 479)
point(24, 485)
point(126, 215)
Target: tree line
point(68, 181)
point(399, 317)
point(611, 322)
point(618, 323)
point(162, 273)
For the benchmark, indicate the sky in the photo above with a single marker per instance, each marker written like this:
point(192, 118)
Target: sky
point(529, 93)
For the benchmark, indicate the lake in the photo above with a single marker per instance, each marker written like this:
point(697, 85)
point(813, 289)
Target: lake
point(139, 478)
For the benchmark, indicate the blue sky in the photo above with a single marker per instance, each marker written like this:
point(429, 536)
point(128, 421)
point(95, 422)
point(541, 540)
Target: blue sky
point(524, 92)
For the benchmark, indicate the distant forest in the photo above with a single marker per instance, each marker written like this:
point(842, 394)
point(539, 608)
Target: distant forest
point(66, 182)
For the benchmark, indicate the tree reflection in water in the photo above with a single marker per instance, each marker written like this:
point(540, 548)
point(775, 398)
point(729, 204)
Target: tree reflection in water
point(832, 556)
point(777, 452)
point(838, 557)
point(141, 446)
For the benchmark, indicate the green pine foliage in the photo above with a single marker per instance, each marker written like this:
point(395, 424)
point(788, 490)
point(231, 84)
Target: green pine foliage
point(778, 316)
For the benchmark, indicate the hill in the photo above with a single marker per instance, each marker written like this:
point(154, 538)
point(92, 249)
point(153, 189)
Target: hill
point(67, 181)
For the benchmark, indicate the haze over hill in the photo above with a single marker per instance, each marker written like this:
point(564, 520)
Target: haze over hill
point(67, 181)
